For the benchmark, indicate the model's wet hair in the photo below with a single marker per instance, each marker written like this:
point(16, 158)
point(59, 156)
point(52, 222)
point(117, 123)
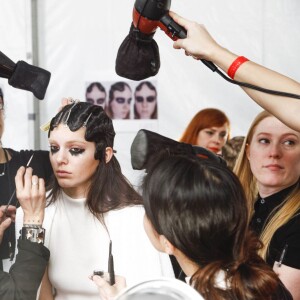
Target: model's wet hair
point(99, 127)
point(109, 188)
point(200, 207)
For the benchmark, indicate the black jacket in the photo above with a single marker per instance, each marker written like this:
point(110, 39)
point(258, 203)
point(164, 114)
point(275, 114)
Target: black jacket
point(25, 275)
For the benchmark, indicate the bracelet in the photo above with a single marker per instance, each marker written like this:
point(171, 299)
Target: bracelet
point(235, 65)
point(32, 234)
point(32, 225)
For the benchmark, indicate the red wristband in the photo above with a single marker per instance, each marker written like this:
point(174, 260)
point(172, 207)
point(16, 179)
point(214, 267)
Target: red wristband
point(235, 65)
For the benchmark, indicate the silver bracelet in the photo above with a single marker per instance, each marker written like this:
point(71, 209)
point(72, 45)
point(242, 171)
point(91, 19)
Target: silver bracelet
point(33, 225)
point(33, 234)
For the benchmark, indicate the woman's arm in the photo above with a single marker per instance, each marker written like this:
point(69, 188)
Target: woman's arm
point(201, 45)
point(46, 291)
point(290, 278)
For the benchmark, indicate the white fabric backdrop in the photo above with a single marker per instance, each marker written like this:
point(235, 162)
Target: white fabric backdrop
point(77, 38)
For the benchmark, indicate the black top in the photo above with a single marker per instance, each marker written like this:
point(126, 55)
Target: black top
point(25, 275)
point(41, 166)
point(286, 237)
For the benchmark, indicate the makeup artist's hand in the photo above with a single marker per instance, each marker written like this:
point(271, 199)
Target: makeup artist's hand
point(198, 43)
point(107, 291)
point(5, 220)
point(31, 194)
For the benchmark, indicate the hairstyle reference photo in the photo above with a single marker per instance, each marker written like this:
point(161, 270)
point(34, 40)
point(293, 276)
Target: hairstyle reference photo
point(145, 101)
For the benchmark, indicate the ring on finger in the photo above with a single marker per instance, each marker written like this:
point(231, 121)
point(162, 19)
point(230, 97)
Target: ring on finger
point(35, 182)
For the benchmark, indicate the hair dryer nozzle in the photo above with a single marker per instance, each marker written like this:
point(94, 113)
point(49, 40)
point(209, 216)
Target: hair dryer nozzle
point(30, 78)
point(147, 145)
point(138, 56)
point(24, 76)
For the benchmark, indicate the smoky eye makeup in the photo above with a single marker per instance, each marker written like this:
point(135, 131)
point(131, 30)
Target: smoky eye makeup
point(76, 151)
point(122, 100)
point(53, 149)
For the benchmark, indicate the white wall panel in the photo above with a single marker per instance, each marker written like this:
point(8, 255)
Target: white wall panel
point(15, 42)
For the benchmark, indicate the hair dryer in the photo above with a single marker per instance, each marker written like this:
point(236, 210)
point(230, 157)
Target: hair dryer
point(147, 145)
point(147, 16)
point(24, 76)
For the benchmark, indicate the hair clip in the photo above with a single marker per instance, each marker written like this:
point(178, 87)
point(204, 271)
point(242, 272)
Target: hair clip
point(86, 121)
point(46, 126)
point(69, 113)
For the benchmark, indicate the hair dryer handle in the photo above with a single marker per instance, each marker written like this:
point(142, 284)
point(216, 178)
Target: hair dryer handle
point(171, 28)
point(175, 31)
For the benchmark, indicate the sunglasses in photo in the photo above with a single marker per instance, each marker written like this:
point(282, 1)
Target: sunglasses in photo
point(122, 100)
point(141, 99)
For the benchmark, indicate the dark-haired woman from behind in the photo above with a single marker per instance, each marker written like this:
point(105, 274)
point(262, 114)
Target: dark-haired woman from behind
point(196, 210)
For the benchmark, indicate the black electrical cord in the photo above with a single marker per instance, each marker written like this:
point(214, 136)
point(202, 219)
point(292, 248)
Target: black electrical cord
point(254, 87)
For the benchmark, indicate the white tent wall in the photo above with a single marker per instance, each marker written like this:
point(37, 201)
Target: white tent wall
point(15, 42)
point(80, 38)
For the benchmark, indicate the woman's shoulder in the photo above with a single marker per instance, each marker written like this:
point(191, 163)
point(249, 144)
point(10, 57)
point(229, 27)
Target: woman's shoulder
point(128, 215)
point(128, 211)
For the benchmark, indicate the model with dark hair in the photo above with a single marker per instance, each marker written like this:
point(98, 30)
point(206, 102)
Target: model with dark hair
point(145, 101)
point(120, 96)
point(91, 204)
point(209, 129)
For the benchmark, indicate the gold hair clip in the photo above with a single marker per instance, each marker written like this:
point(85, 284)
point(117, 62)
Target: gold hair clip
point(46, 126)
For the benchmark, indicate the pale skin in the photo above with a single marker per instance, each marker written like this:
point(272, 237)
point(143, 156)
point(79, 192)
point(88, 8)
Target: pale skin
point(121, 110)
point(70, 153)
point(145, 108)
point(274, 153)
point(200, 45)
point(213, 138)
point(31, 193)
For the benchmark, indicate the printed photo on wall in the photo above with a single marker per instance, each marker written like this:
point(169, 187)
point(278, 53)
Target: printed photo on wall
point(145, 101)
point(124, 100)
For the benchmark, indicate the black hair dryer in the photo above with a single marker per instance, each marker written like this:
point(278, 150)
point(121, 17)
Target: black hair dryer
point(22, 75)
point(150, 14)
point(138, 55)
